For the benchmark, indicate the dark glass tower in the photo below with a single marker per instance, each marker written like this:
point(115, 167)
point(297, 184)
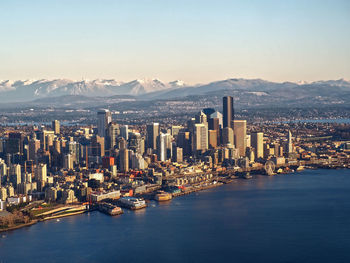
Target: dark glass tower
point(228, 111)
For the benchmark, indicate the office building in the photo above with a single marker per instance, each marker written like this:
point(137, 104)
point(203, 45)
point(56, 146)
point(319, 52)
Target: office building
point(257, 142)
point(289, 143)
point(104, 117)
point(56, 127)
point(240, 135)
point(228, 111)
point(213, 139)
point(124, 160)
point(200, 138)
point(124, 132)
point(151, 136)
point(227, 136)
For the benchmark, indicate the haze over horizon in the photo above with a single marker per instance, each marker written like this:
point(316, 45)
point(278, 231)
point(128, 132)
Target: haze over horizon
point(193, 41)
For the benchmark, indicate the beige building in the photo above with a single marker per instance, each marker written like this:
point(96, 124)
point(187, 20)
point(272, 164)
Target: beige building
point(240, 135)
point(227, 136)
point(257, 141)
point(200, 137)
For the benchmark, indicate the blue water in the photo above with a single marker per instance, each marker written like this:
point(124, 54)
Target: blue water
point(318, 121)
point(304, 217)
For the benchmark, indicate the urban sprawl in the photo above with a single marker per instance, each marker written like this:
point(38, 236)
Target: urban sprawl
point(48, 172)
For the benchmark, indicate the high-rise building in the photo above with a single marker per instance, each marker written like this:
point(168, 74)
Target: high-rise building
point(175, 130)
point(15, 143)
point(56, 127)
point(151, 136)
point(3, 170)
point(15, 174)
point(290, 143)
point(257, 141)
point(228, 111)
point(178, 155)
point(46, 138)
point(249, 141)
point(240, 135)
point(104, 117)
point(98, 146)
point(201, 117)
point(41, 174)
point(200, 138)
point(214, 124)
point(184, 141)
point(124, 160)
point(162, 147)
point(113, 132)
point(208, 112)
point(124, 132)
point(135, 142)
point(227, 136)
point(122, 143)
point(56, 145)
point(68, 162)
point(34, 146)
point(213, 139)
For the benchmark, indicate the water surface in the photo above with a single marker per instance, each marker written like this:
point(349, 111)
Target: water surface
point(304, 217)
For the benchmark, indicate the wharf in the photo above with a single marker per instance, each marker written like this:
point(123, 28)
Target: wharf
point(197, 189)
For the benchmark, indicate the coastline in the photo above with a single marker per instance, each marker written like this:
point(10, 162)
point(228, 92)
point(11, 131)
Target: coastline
point(193, 189)
point(33, 222)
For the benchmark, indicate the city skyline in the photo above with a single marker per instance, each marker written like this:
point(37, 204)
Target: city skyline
point(192, 41)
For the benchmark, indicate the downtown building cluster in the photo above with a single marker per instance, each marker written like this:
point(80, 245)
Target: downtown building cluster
point(70, 164)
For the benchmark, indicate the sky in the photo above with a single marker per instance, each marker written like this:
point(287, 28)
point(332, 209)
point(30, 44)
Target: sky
point(194, 41)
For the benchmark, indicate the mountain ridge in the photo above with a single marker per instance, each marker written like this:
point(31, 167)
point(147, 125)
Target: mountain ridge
point(246, 91)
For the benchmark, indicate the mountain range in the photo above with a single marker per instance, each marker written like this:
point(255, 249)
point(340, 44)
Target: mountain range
point(247, 92)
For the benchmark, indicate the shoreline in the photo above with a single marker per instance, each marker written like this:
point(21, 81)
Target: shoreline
point(186, 192)
point(19, 226)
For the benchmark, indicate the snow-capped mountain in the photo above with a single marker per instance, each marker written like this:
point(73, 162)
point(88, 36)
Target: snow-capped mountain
point(245, 91)
point(33, 89)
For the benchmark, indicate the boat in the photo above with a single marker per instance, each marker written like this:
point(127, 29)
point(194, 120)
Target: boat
point(109, 209)
point(300, 168)
point(247, 176)
point(132, 203)
point(163, 196)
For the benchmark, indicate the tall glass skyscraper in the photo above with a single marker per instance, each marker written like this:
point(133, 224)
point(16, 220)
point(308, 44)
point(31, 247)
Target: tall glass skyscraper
point(228, 111)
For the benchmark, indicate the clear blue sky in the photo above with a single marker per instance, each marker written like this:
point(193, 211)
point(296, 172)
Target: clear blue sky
point(195, 41)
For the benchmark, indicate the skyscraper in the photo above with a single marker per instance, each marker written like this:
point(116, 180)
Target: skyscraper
point(41, 174)
point(104, 117)
point(290, 143)
point(152, 134)
point(200, 138)
point(162, 147)
point(97, 146)
point(228, 111)
point(227, 136)
point(124, 132)
point(15, 174)
point(113, 132)
point(184, 141)
point(124, 160)
point(257, 141)
point(240, 135)
point(213, 138)
point(56, 127)
point(135, 142)
point(15, 143)
point(34, 146)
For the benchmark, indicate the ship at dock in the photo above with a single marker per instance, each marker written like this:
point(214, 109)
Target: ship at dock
point(109, 209)
point(163, 196)
point(132, 203)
